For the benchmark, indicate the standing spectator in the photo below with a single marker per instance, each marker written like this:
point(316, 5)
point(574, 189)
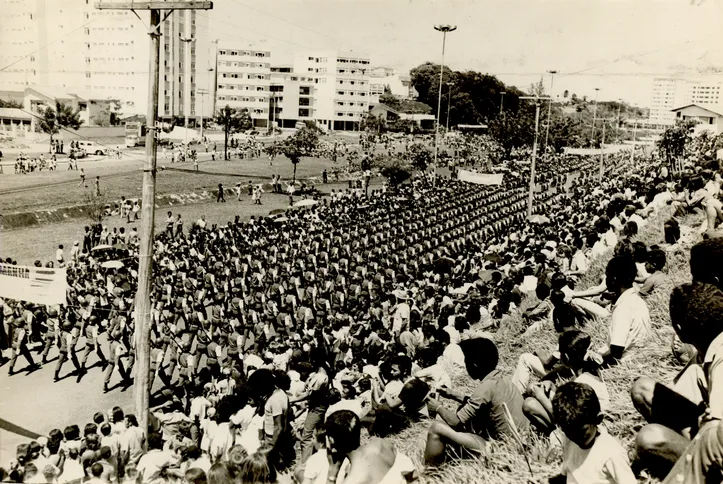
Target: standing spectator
point(219, 197)
point(59, 256)
point(170, 222)
point(97, 186)
point(82, 178)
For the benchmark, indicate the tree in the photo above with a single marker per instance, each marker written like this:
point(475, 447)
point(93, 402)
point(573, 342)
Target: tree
point(513, 130)
point(301, 143)
point(62, 117)
point(419, 156)
point(233, 121)
point(402, 126)
point(375, 124)
point(10, 104)
point(393, 169)
point(673, 141)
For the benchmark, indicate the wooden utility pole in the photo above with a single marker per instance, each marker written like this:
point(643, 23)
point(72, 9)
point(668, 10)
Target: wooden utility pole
point(531, 194)
point(601, 168)
point(141, 371)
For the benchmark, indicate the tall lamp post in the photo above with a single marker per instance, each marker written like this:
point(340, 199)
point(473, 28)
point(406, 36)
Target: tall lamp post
point(594, 117)
point(549, 107)
point(531, 193)
point(445, 29)
point(502, 101)
point(449, 102)
point(187, 82)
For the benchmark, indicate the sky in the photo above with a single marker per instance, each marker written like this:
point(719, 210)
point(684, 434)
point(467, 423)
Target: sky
point(618, 46)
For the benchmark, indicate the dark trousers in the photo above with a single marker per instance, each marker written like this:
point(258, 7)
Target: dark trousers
point(21, 350)
point(62, 358)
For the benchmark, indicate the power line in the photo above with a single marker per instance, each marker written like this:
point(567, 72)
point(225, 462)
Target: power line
point(46, 45)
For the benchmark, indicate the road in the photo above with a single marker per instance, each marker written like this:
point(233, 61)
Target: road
point(34, 402)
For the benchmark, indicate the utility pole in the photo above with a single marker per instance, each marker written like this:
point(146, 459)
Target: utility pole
point(187, 82)
point(632, 152)
point(201, 93)
point(594, 116)
point(444, 29)
point(449, 103)
point(531, 194)
point(143, 319)
point(502, 101)
point(602, 148)
point(549, 107)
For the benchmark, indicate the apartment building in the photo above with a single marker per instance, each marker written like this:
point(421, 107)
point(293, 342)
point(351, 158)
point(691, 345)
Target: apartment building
point(670, 93)
point(71, 45)
point(341, 86)
point(243, 80)
point(383, 79)
point(292, 97)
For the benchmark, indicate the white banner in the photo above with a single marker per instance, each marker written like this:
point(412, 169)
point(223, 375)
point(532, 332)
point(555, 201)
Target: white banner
point(480, 178)
point(40, 285)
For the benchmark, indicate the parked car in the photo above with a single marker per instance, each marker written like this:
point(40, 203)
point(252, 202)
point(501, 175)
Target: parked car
point(91, 147)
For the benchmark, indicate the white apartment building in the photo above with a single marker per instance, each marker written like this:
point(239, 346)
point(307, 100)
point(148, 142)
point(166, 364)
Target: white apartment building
point(70, 45)
point(341, 86)
point(243, 79)
point(292, 97)
point(670, 93)
point(185, 60)
point(386, 78)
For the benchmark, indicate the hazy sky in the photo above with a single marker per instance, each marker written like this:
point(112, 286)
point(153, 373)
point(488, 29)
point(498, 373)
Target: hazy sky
point(616, 45)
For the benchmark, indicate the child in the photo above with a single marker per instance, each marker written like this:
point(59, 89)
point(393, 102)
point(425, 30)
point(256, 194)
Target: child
point(589, 454)
point(654, 266)
point(574, 346)
point(541, 312)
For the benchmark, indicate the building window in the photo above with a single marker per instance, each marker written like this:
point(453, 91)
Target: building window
point(303, 112)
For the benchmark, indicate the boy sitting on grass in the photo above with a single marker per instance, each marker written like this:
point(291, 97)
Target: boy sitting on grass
point(574, 346)
point(589, 453)
point(654, 266)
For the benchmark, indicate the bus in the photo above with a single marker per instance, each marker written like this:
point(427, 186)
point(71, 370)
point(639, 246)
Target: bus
point(135, 134)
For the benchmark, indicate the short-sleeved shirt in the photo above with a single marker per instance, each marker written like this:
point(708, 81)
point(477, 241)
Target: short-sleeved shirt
point(484, 413)
point(605, 462)
point(652, 282)
point(630, 323)
point(277, 404)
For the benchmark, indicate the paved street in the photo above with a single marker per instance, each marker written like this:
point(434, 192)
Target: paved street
point(37, 404)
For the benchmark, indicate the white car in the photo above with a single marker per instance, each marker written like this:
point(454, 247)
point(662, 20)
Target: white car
point(92, 148)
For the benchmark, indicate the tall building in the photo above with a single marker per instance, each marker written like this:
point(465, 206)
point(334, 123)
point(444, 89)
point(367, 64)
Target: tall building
point(71, 45)
point(341, 87)
point(669, 93)
point(292, 97)
point(243, 80)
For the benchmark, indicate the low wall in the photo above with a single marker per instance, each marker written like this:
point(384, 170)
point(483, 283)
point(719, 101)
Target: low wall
point(21, 220)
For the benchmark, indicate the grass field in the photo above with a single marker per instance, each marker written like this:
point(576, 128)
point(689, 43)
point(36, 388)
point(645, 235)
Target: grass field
point(123, 178)
point(506, 462)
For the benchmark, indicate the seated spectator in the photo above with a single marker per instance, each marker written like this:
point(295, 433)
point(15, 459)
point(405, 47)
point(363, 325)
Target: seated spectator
point(654, 266)
point(630, 323)
point(574, 347)
point(675, 412)
point(482, 415)
point(589, 453)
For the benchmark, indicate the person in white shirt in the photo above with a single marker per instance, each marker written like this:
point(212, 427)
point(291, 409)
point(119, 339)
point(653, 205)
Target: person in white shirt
point(589, 454)
point(630, 322)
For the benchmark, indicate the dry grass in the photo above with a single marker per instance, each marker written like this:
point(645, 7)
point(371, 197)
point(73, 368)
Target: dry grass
point(505, 462)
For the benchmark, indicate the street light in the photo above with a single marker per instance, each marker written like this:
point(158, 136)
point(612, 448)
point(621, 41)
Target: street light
point(594, 116)
point(445, 29)
point(187, 99)
point(449, 101)
point(549, 107)
point(531, 192)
